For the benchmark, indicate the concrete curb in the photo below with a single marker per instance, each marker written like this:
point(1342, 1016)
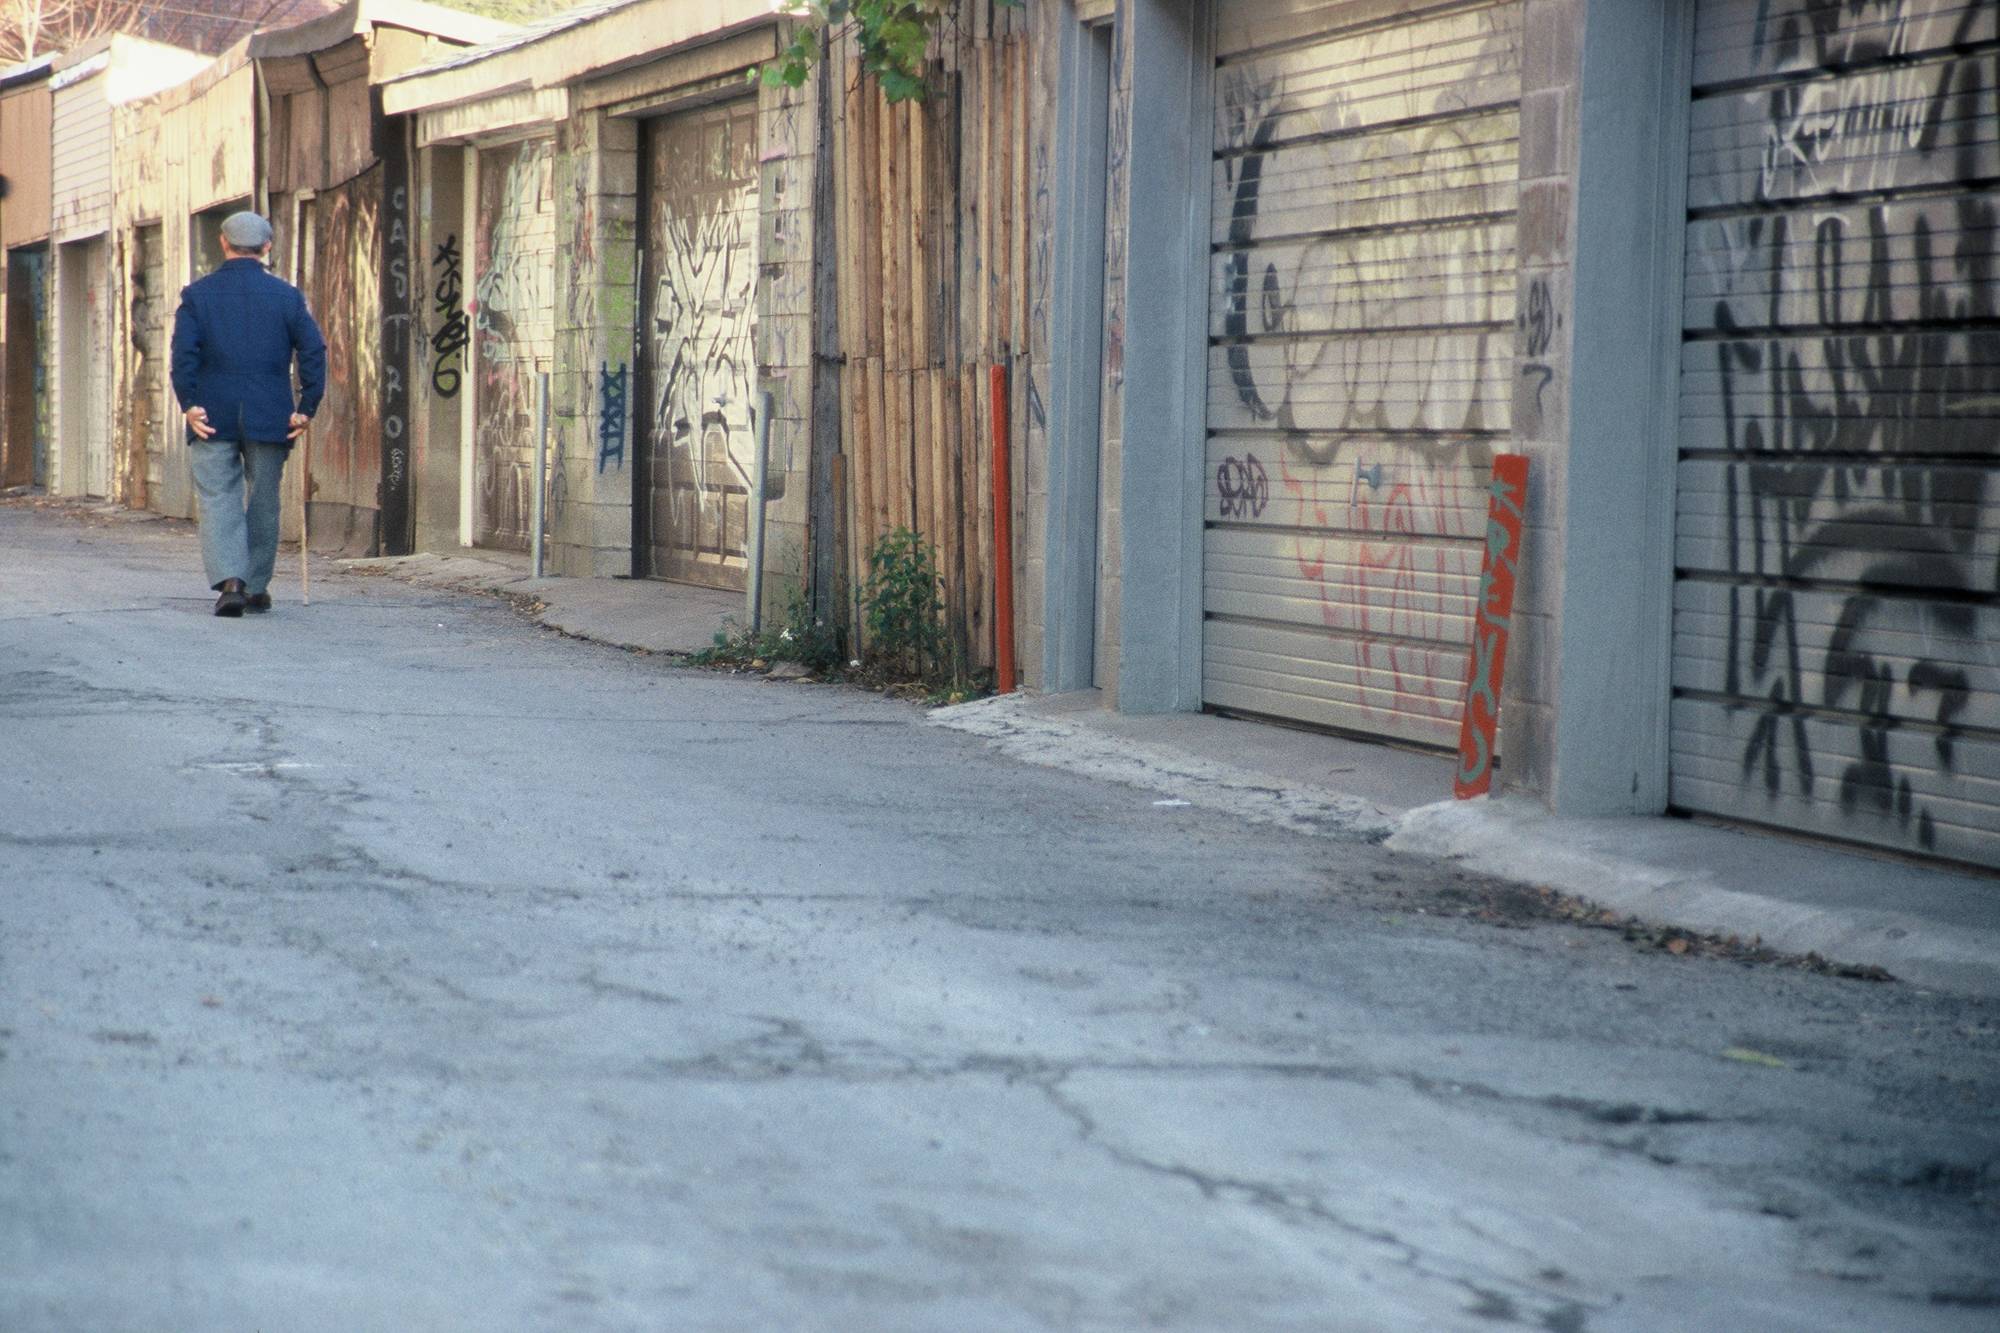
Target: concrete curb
point(1518, 840)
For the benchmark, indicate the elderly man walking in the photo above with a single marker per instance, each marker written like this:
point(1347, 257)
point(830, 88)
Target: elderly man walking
point(236, 335)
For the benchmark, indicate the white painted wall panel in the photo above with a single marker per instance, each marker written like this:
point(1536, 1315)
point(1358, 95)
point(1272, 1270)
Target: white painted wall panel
point(1836, 652)
point(80, 160)
point(1361, 311)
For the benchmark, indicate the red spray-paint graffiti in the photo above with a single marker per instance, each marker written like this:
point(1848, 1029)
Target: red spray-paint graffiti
point(1507, 499)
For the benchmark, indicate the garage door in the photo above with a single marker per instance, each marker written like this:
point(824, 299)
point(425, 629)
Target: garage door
point(1360, 336)
point(1838, 524)
point(513, 333)
point(701, 342)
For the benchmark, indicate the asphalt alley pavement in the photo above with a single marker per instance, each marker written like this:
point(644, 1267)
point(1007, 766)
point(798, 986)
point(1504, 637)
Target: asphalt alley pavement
point(393, 962)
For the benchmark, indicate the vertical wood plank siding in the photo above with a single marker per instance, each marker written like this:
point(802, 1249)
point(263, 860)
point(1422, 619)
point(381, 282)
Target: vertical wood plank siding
point(932, 246)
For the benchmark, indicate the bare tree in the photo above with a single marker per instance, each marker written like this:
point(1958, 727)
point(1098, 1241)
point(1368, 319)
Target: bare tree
point(30, 28)
point(509, 11)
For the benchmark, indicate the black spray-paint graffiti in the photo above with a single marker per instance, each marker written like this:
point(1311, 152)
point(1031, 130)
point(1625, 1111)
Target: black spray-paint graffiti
point(1858, 370)
point(1540, 318)
point(1360, 280)
point(1539, 321)
point(1242, 229)
point(453, 333)
point(611, 415)
point(1242, 487)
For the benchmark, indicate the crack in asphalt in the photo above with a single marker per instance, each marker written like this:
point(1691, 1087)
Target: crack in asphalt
point(1295, 1206)
point(595, 982)
point(75, 613)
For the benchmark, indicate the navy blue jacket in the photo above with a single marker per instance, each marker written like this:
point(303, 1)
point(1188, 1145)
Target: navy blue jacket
point(234, 338)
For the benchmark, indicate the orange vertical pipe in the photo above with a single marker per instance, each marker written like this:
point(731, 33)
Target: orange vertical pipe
point(1003, 540)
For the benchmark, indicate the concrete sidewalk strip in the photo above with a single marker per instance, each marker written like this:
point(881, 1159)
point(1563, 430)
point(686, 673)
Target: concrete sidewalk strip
point(1010, 723)
point(481, 572)
point(1930, 926)
point(646, 615)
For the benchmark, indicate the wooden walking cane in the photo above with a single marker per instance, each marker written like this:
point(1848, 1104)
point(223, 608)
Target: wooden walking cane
point(305, 481)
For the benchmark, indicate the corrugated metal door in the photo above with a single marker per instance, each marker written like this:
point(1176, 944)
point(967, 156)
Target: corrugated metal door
point(513, 332)
point(701, 348)
point(1838, 525)
point(1360, 342)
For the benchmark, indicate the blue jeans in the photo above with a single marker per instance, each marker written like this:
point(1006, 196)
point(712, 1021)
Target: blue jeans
point(237, 481)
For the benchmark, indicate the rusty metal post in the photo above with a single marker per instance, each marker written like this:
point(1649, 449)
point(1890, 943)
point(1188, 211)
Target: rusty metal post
point(1003, 539)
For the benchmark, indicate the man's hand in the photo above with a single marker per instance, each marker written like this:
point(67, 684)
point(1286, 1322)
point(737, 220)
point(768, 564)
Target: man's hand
point(299, 423)
point(197, 420)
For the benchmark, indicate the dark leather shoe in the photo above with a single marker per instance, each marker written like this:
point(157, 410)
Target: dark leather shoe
point(232, 601)
point(257, 601)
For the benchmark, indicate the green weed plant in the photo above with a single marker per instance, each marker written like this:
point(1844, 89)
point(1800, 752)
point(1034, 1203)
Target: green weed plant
point(799, 637)
point(902, 605)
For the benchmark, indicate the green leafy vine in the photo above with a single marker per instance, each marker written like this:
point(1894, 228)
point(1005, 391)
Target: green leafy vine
point(894, 37)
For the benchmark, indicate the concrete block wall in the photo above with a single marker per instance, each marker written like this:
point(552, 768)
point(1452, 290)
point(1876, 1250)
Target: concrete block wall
point(592, 408)
point(1603, 178)
point(438, 343)
point(1544, 229)
point(788, 133)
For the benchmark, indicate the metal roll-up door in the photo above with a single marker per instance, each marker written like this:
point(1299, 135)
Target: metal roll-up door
point(1362, 304)
point(1836, 648)
point(513, 332)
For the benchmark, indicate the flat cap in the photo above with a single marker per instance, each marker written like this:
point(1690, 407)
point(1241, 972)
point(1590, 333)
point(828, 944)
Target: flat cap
point(246, 231)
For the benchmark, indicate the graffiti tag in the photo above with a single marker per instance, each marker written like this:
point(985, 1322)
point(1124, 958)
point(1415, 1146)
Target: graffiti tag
point(1242, 486)
point(611, 395)
point(1507, 498)
point(449, 342)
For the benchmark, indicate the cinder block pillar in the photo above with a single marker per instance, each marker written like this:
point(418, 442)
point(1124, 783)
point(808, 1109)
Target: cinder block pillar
point(1603, 171)
point(1162, 416)
point(592, 407)
point(440, 345)
point(788, 129)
